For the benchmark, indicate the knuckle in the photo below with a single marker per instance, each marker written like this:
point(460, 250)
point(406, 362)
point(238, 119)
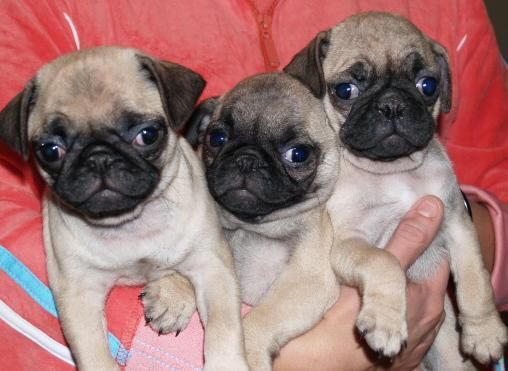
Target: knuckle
point(436, 317)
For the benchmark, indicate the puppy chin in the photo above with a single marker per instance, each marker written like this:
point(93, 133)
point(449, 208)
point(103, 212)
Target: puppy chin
point(389, 149)
point(244, 205)
point(104, 218)
point(131, 214)
point(115, 220)
point(397, 165)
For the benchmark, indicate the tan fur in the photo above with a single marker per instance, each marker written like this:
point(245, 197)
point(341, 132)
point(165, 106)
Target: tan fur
point(175, 229)
point(365, 220)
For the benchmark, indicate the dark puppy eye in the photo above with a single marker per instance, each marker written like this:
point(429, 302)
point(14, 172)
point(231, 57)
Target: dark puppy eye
point(427, 86)
point(51, 152)
point(297, 154)
point(217, 138)
point(346, 91)
point(146, 136)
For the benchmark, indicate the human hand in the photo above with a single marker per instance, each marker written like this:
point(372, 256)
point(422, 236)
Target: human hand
point(334, 343)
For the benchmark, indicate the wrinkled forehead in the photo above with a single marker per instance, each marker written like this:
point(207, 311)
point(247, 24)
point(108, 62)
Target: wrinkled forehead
point(270, 111)
point(95, 86)
point(380, 44)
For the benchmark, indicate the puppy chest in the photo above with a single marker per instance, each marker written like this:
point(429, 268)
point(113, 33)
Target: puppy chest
point(133, 251)
point(258, 263)
point(372, 205)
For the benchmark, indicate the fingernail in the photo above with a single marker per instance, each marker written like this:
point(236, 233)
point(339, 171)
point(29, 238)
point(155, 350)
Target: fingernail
point(427, 209)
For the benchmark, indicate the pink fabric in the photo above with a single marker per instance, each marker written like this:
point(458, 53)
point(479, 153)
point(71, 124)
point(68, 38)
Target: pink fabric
point(499, 214)
point(185, 352)
point(150, 351)
point(28, 357)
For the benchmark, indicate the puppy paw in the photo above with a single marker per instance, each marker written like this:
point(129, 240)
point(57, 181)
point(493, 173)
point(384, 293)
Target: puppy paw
point(484, 338)
point(383, 325)
point(169, 304)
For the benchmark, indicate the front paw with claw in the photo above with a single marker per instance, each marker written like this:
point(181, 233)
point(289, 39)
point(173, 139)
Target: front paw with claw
point(484, 338)
point(169, 304)
point(383, 325)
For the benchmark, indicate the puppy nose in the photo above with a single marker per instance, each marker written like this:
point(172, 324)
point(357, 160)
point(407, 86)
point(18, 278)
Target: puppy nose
point(247, 163)
point(99, 162)
point(98, 158)
point(391, 105)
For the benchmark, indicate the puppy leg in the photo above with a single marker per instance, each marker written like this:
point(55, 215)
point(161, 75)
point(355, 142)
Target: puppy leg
point(218, 301)
point(483, 333)
point(80, 304)
point(445, 355)
point(298, 299)
point(296, 302)
point(382, 282)
point(169, 303)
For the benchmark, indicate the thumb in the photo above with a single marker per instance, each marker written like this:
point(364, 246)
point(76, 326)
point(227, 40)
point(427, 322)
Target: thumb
point(416, 230)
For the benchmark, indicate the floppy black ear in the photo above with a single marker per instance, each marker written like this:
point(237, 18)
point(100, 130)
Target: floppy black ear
point(14, 121)
point(198, 122)
point(307, 65)
point(445, 88)
point(178, 86)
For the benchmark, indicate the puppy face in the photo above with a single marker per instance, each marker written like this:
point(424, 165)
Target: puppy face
point(268, 147)
point(100, 123)
point(383, 83)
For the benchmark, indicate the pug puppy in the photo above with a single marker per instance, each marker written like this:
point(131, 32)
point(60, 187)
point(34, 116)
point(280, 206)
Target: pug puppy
point(126, 201)
point(271, 163)
point(384, 83)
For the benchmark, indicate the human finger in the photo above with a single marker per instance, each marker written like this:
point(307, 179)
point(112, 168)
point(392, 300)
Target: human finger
point(416, 230)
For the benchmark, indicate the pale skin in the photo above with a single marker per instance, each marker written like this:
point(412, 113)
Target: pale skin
point(334, 343)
